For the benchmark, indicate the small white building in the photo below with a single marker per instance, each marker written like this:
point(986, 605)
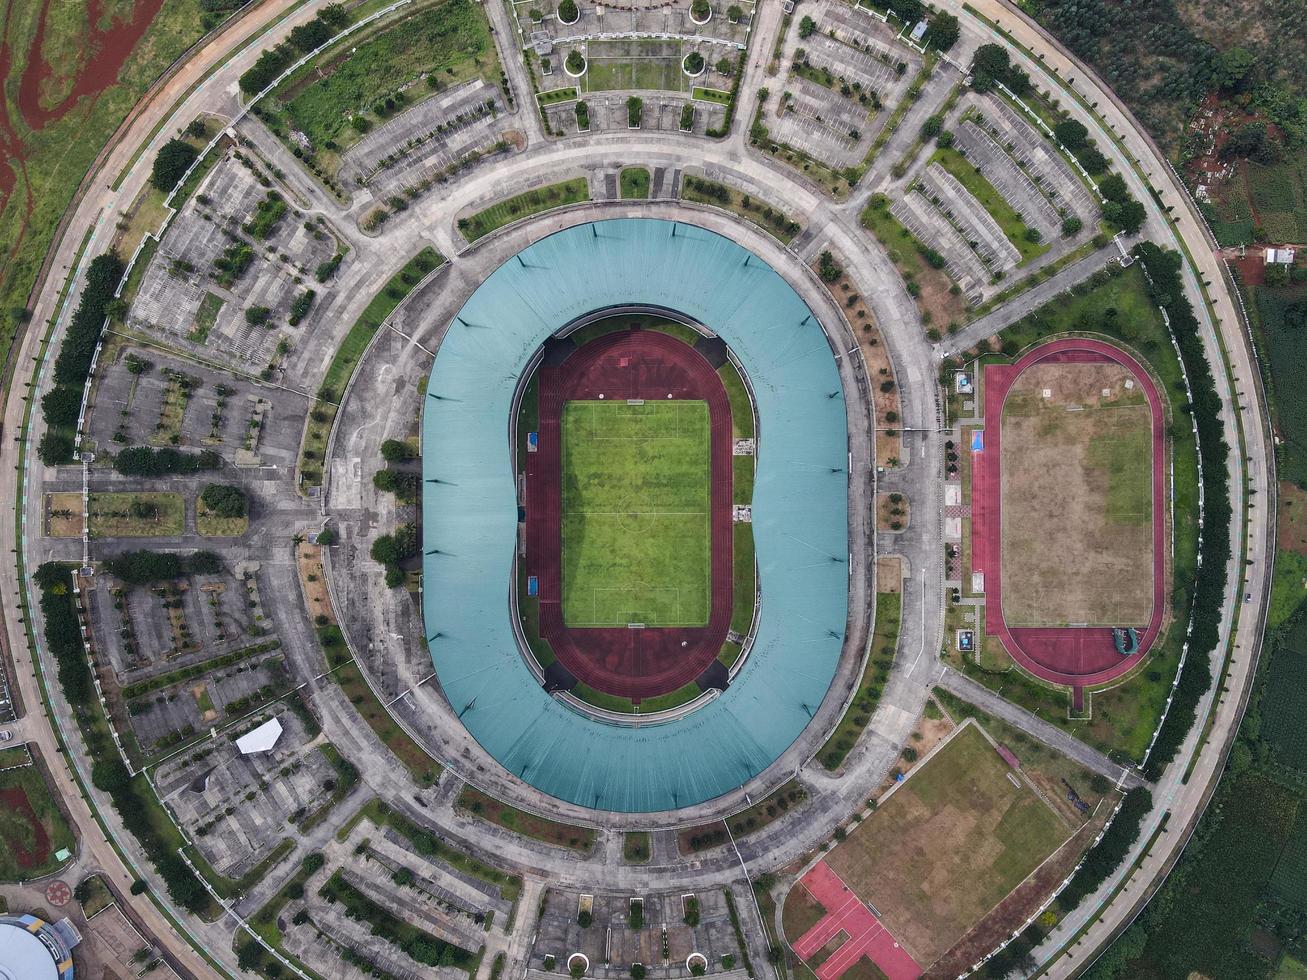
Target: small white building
point(1279, 256)
point(261, 739)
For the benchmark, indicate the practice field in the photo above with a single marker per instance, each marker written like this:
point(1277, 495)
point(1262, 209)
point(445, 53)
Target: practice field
point(633, 63)
point(635, 513)
point(948, 845)
point(1077, 515)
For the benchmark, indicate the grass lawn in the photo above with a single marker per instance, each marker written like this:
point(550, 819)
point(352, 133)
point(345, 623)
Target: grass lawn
point(633, 63)
point(776, 223)
point(205, 318)
point(1016, 230)
point(347, 357)
point(744, 577)
point(672, 699)
point(931, 287)
point(884, 641)
point(637, 847)
point(569, 93)
point(211, 525)
point(580, 839)
point(635, 522)
point(711, 95)
point(741, 406)
point(523, 205)
point(948, 845)
point(31, 827)
point(136, 515)
point(634, 182)
point(449, 41)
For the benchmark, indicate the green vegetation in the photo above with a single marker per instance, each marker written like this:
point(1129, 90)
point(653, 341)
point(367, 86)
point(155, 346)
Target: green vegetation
point(672, 699)
point(880, 657)
point(557, 96)
point(580, 839)
point(140, 688)
point(424, 769)
point(132, 796)
point(1120, 304)
point(713, 95)
point(1287, 587)
point(267, 215)
point(147, 462)
point(634, 183)
point(777, 223)
point(347, 357)
point(637, 847)
point(171, 163)
point(744, 577)
point(132, 514)
point(524, 205)
point(57, 138)
point(32, 827)
point(146, 567)
point(347, 777)
point(636, 540)
point(1025, 239)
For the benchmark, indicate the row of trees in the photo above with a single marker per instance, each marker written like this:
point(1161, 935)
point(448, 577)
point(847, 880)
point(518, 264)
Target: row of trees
point(145, 567)
point(303, 39)
point(62, 404)
point(144, 461)
point(129, 794)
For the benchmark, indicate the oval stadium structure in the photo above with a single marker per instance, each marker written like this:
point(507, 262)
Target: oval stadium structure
point(470, 512)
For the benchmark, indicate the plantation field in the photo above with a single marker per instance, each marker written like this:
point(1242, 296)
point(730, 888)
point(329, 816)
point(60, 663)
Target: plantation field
point(1284, 350)
point(1280, 198)
point(1284, 706)
point(1289, 880)
point(635, 521)
point(948, 845)
point(449, 41)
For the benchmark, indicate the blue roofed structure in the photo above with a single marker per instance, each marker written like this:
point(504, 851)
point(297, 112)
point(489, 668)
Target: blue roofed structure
point(800, 514)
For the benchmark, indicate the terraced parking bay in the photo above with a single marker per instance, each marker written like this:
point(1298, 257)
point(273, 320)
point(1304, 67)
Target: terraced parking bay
point(635, 521)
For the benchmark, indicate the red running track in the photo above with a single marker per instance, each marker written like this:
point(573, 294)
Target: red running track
point(846, 913)
point(1076, 656)
point(632, 663)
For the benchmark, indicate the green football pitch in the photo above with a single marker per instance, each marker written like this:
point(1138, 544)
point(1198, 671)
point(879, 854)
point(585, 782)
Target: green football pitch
point(636, 532)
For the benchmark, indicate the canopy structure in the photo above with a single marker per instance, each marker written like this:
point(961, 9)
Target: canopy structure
point(800, 514)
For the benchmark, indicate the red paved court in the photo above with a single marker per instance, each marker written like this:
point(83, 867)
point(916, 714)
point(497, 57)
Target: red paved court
point(1076, 656)
point(846, 913)
point(633, 663)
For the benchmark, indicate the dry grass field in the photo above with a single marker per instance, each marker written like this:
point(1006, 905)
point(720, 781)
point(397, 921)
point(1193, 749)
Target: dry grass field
point(1077, 498)
point(948, 845)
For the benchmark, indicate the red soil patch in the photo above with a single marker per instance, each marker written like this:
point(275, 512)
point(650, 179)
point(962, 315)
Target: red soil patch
point(632, 663)
point(1075, 656)
point(15, 801)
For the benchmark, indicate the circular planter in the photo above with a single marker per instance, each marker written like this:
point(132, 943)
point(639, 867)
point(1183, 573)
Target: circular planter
point(573, 20)
point(693, 74)
point(585, 63)
point(578, 959)
point(697, 20)
point(696, 959)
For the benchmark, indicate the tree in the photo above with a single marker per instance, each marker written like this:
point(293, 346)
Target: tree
point(806, 26)
point(725, 66)
point(1113, 188)
point(568, 12)
point(575, 62)
point(700, 10)
point(827, 268)
point(1071, 134)
point(225, 500)
point(1071, 225)
point(1232, 69)
point(694, 63)
point(990, 64)
point(174, 159)
point(395, 451)
point(312, 35)
point(61, 406)
point(1295, 315)
point(1251, 140)
point(328, 536)
point(944, 32)
point(734, 13)
point(932, 127)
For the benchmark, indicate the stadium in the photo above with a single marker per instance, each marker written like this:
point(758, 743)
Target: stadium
point(511, 560)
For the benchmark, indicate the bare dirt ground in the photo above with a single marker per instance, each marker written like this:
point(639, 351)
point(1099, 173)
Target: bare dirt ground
point(1077, 537)
point(889, 574)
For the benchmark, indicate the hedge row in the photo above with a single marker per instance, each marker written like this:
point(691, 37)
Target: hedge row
point(131, 795)
point(144, 567)
point(62, 404)
point(1162, 269)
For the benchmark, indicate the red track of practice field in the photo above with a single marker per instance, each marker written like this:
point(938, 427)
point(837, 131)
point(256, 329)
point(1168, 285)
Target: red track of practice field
point(846, 913)
point(1076, 656)
point(633, 663)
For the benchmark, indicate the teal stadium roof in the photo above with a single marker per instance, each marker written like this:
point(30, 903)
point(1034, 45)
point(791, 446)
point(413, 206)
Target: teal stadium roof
point(800, 514)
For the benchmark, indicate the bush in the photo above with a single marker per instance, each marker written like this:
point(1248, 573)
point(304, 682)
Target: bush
point(225, 500)
point(170, 165)
point(827, 268)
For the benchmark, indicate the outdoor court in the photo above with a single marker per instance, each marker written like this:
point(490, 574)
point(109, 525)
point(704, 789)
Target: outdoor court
point(1060, 531)
point(636, 499)
point(648, 366)
point(846, 913)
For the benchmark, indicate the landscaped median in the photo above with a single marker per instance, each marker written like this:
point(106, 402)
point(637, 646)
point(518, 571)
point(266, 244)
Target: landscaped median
point(880, 657)
point(524, 205)
point(348, 355)
point(479, 804)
